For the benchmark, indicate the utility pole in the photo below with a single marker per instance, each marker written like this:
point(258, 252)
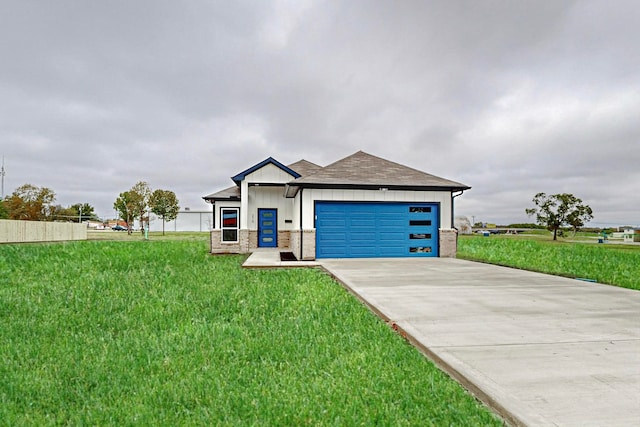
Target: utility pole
point(2, 174)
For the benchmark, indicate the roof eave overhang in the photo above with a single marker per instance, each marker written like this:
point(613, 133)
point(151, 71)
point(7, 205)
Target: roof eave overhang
point(221, 199)
point(266, 184)
point(379, 187)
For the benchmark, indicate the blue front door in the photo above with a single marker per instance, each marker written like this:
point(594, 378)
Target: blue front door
point(267, 228)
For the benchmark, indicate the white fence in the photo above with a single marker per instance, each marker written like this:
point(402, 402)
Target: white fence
point(39, 231)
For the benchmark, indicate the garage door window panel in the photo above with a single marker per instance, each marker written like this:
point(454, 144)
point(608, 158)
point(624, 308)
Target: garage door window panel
point(420, 209)
point(419, 236)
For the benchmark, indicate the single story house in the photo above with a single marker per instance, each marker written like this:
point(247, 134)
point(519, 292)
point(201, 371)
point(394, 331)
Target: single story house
point(358, 207)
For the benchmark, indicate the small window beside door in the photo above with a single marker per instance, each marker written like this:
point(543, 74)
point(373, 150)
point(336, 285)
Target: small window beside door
point(230, 224)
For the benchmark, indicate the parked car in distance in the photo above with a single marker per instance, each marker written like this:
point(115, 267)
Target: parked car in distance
point(118, 228)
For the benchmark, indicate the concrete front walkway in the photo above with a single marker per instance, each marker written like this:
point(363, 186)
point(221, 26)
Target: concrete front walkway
point(539, 349)
point(270, 258)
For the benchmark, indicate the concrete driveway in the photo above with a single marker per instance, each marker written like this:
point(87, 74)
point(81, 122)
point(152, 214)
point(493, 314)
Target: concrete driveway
point(541, 350)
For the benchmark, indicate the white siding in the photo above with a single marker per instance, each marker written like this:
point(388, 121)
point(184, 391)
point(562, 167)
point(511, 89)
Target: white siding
point(261, 196)
point(296, 213)
point(269, 198)
point(269, 173)
point(309, 196)
point(244, 205)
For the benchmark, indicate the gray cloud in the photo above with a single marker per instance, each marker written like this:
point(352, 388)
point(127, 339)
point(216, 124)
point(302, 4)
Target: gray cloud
point(511, 98)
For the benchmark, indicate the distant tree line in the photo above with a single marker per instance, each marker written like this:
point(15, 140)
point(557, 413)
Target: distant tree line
point(139, 201)
point(31, 203)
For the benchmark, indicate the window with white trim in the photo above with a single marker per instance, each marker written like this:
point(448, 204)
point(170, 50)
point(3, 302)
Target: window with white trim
point(229, 223)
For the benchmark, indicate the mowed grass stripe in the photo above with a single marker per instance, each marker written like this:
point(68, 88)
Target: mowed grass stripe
point(612, 264)
point(161, 333)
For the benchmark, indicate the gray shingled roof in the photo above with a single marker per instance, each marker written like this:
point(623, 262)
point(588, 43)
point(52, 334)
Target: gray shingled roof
point(227, 193)
point(304, 167)
point(367, 171)
point(359, 170)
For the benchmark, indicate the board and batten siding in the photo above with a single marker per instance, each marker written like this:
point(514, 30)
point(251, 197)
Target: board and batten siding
point(310, 196)
point(268, 174)
point(269, 198)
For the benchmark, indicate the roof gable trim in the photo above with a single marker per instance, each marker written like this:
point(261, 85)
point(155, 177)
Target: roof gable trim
point(242, 175)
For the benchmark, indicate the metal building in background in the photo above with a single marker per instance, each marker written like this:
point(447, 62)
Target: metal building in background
point(186, 220)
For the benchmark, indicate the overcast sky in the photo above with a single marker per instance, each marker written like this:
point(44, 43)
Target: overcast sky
point(509, 97)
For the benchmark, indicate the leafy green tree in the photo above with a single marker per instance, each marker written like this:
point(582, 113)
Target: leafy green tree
point(125, 206)
point(58, 213)
point(83, 211)
point(132, 204)
point(577, 218)
point(4, 213)
point(31, 203)
point(164, 204)
point(557, 210)
point(142, 192)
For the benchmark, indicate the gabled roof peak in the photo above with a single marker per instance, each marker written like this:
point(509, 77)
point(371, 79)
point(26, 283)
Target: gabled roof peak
point(270, 160)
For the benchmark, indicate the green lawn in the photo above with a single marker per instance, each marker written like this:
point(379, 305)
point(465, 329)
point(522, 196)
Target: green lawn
point(160, 333)
point(153, 235)
point(613, 264)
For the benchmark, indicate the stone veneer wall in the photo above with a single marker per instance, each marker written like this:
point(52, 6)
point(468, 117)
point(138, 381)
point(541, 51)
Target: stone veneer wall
point(295, 242)
point(240, 247)
point(290, 240)
point(253, 240)
point(248, 241)
point(448, 242)
point(284, 240)
point(309, 244)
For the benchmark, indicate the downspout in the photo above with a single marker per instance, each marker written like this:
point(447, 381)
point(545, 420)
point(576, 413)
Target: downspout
point(453, 196)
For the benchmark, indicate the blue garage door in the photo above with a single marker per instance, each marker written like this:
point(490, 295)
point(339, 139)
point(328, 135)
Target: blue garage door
point(368, 230)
